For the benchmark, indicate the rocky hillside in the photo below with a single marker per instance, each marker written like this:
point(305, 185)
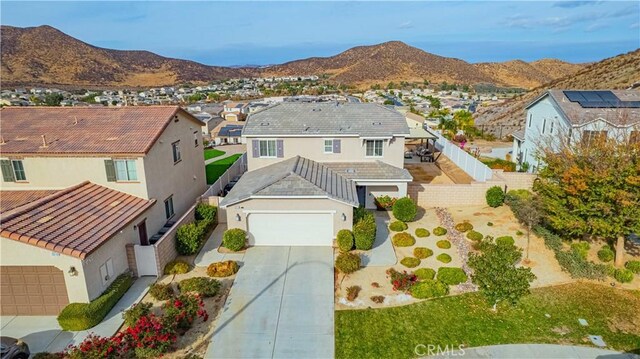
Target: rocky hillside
point(527, 75)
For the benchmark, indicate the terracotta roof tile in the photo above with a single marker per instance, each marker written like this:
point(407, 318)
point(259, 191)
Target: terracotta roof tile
point(12, 199)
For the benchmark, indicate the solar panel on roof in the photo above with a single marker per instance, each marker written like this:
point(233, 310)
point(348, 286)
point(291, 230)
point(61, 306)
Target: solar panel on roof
point(631, 104)
point(574, 96)
point(596, 104)
point(608, 96)
point(591, 96)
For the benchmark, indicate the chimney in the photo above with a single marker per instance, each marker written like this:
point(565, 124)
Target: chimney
point(44, 141)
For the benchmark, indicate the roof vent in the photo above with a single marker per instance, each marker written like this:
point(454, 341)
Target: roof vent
point(264, 123)
point(351, 170)
point(316, 109)
point(377, 123)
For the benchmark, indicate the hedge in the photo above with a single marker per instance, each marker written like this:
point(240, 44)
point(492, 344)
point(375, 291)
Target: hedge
point(364, 230)
point(189, 238)
point(422, 252)
point(495, 196)
point(344, 239)
point(429, 289)
point(398, 226)
point(451, 275)
point(405, 209)
point(422, 232)
point(425, 273)
point(403, 239)
point(234, 239)
point(82, 316)
point(410, 262)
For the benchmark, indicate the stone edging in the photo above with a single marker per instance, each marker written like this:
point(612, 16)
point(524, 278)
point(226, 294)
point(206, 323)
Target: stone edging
point(462, 247)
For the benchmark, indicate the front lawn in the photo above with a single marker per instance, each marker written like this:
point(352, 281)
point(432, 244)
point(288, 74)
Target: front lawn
point(212, 153)
point(467, 319)
point(216, 169)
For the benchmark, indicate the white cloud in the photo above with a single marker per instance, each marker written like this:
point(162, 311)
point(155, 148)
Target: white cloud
point(406, 25)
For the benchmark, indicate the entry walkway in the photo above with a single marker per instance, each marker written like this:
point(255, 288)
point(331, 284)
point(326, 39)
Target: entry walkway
point(382, 254)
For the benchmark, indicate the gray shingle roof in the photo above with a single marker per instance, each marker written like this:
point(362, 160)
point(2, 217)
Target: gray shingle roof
point(377, 170)
point(322, 119)
point(297, 176)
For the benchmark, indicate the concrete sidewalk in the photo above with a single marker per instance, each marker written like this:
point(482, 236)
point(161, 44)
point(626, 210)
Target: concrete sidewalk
point(382, 254)
point(532, 351)
point(209, 252)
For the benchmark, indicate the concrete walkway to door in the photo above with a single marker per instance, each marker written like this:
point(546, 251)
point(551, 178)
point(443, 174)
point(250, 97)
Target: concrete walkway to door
point(280, 306)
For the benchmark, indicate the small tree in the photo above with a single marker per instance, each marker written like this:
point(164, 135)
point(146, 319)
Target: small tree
point(496, 275)
point(529, 214)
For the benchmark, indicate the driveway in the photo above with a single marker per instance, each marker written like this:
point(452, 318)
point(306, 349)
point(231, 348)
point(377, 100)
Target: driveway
point(280, 306)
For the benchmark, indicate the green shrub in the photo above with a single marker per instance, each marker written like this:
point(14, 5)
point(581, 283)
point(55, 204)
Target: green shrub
point(364, 232)
point(403, 239)
point(429, 289)
point(405, 209)
point(347, 263)
point(176, 267)
point(422, 232)
point(344, 239)
point(451, 275)
point(498, 163)
point(234, 239)
point(475, 236)
point(160, 291)
point(82, 316)
point(189, 238)
point(606, 254)
point(398, 226)
point(422, 252)
point(410, 262)
point(203, 286)
point(519, 233)
point(205, 212)
point(490, 224)
point(464, 227)
point(360, 213)
point(443, 244)
point(581, 248)
point(633, 266)
point(384, 202)
point(505, 241)
point(134, 313)
point(439, 231)
point(495, 196)
point(222, 269)
point(444, 258)
point(623, 275)
point(425, 273)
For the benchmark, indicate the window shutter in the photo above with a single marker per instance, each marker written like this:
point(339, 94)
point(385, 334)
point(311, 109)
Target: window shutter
point(255, 148)
point(280, 148)
point(336, 146)
point(7, 171)
point(111, 170)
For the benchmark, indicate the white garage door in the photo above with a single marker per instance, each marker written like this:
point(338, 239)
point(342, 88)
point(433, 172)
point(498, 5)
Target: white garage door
point(291, 229)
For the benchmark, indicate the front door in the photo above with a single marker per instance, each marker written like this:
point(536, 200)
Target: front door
point(142, 233)
point(362, 195)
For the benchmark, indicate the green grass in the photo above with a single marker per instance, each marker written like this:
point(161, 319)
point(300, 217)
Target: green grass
point(216, 169)
point(212, 153)
point(467, 319)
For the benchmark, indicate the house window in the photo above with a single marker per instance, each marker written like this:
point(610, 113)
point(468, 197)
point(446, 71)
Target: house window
point(106, 272)
point(530, 117)
point(551, 128)
point(195, 138)
point(374, 148)
point(126, 170)
point(267, 148)
point(544, 124)
point(593, 137)
point(176, 151)
point(168, 207)
point(13, 171)
point(328, 146)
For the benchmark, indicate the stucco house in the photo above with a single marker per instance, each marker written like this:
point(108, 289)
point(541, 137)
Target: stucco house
point(310, 164)
point(82, 190)
point(576, 115)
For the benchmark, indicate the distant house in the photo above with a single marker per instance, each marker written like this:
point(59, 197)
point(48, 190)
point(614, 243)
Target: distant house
point(235, 111)
point(227, 132)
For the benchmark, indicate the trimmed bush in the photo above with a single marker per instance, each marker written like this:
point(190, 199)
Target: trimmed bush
point(398, 226)
point(403, 239)
point(490, 224)
point(429, 289)
point(364, 231)
point(203, 286)
point(360, 213)
point(519, 233)
point(347, 263)
point(606, 254)
point(464, 227)
point(205, 212)
point(344, 240)
point(581, 248)
point(439, 231)
point(410, 262)
point(425, 273)
point(189, 238)
point(443, 244)
point(422, 232)
point(160, 291)
point(422, 252)
point(405, 209)
point(234, 239)
point(451, 275)
point(444, 258)
point(352, 292)
point(505, 241)
point(176, 267)
point(222, 269)
point(134, 313)
point(633, 266)
point(475, 236)
point(623, 275)
point(82, 316)
point(495, 196)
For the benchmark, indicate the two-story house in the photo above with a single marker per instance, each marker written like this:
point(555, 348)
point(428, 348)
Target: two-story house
point(233, 111)
point(310, 164)
point(79, 185)
point(576, 115)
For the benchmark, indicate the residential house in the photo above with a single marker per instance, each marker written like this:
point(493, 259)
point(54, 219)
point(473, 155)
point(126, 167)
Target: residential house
point(82, 190)
point(235, 111)
point(576, 116)
point(227, 133)
point(310, 164)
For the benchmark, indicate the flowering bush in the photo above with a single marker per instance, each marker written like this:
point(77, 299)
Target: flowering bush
point(182, 311)
point(401, 281)
point(149, 338)
point(94, 347)
point(384, 202)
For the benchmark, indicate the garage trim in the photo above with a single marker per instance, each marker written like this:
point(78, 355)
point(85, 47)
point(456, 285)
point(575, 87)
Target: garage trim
point(249, 211)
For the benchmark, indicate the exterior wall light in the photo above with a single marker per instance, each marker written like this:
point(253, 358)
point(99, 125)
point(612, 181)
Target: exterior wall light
point(344, 217)
point(238, 218)
point(73, 271)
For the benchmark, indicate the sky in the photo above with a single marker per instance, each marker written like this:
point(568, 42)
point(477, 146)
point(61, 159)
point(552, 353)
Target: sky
point(262, 33)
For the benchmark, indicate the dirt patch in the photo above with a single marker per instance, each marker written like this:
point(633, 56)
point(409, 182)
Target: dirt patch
point(564, 330)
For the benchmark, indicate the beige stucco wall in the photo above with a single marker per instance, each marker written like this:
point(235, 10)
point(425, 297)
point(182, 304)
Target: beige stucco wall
point(290, 205)
point(352, 150)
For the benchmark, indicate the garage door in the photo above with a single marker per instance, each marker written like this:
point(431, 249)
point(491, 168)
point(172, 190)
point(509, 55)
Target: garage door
point(291, 229)
point(36, 290)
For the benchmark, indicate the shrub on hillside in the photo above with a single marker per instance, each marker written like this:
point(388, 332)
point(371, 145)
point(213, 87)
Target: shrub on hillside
point(422, 252)
point(189, 238)
point(581, 248)
point(364, 232)
point(623, 275)
point(398, 226)
point(451, 275)
point(439, 231)
point(443, 244)
point(495, 196)
point(505, 241)
point(234, 239)
point(134, 313)
point(347, 263)
point(475, 236)
point(422, 232)
point(203, 286)
point(405, 209)
point(425, 273)
point(633, 266)
point(160, 291)
point(429, 289)
point(464, 227)
point(403, 239)
point(444, 258)
point(606, 254)
point(344, 240)
point(222, 269)
point(410, 262)
point(176, 267)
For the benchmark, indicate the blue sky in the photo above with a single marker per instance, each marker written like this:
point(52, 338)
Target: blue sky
point(237, 33)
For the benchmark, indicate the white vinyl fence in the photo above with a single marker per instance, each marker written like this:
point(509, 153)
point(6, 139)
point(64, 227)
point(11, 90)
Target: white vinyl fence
point(237, 168)
point(471, 165)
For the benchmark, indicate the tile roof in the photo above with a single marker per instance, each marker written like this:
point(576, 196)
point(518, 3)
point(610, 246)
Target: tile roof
point(74, 221)
point(85, 130)
point(377, 170)
point(296, 176)
point(326, 119)
point(12, 199)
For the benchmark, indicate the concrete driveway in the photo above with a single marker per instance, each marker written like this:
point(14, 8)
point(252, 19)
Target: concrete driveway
point(280, 306)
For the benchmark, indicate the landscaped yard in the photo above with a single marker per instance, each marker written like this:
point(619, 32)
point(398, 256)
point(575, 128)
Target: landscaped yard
point(548, 315)
point(216, 169)
point(212, 153)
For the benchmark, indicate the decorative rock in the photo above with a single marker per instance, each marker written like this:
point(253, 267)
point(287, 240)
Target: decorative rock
point(462, 247)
